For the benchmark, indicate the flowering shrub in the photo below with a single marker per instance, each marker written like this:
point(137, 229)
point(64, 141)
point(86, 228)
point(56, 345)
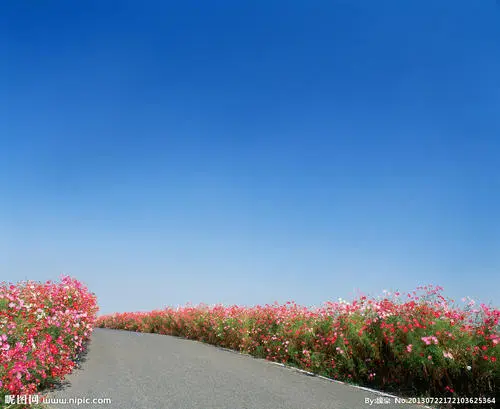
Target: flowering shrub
point(42, 329)
point(419, 344)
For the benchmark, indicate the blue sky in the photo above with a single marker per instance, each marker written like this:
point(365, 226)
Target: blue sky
point(250, 152)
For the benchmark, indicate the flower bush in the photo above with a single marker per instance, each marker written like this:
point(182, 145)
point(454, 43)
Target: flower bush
point(417, 344)
point(43, 327)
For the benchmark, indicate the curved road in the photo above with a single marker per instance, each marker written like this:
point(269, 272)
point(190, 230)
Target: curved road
point(150, 371)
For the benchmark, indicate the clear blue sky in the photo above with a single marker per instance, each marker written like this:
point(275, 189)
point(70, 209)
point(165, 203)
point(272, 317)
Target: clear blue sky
point(250, 152)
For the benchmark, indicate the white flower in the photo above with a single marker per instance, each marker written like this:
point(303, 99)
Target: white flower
point(41, 314)
point(468, 368)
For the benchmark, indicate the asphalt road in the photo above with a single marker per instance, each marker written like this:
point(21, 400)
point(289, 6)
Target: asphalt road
point(149, 371)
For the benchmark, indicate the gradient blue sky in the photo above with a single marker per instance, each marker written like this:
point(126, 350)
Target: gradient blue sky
point(250, 152)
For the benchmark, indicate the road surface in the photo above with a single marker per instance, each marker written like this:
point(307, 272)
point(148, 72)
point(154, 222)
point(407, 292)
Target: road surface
point(150, 371)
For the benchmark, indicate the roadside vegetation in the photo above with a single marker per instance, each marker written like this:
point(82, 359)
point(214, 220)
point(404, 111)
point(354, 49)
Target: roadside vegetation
point(419, 344)
point(44, 328)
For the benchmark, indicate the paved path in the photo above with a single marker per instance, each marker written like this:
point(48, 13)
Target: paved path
point(149, 371)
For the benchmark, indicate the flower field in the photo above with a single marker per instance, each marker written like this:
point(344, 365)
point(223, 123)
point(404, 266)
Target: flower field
point(417, 344)
point(43, 328)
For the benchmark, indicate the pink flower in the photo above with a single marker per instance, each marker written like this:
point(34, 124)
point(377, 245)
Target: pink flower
point(409, 347)
point(430, 340)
